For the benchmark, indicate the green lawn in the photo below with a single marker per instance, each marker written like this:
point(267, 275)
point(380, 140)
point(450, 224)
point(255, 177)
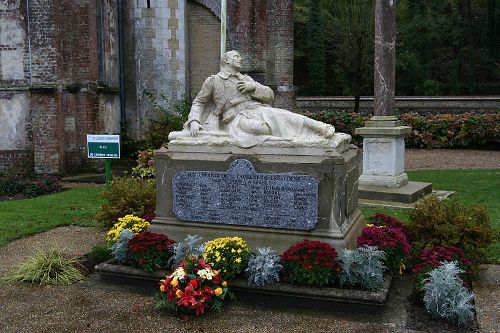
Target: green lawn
point(472, 186)
point(21, 218)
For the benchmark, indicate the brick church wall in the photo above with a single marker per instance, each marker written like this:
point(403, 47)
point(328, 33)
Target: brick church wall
point(54, 93)
point(59, 69)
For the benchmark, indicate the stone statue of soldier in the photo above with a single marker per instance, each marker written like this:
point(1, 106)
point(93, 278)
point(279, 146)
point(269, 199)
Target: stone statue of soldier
point(234, 104)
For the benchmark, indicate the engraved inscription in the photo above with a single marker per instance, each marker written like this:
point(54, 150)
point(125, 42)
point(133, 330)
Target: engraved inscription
point(242, 196)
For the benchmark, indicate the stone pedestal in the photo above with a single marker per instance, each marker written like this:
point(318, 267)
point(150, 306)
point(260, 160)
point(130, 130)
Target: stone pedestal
point(383, 178)
point(383, 152)
point(339, 218)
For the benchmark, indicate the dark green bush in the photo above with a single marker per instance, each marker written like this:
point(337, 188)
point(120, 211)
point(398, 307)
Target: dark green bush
point(163, 121)
point(100, 253)
point(11, 186)
point(451, 223)
point(29, 187)
point(127, 195)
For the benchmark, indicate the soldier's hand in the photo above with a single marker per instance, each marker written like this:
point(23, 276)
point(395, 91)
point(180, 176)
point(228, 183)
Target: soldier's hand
point(246, 86)
point(195, 128)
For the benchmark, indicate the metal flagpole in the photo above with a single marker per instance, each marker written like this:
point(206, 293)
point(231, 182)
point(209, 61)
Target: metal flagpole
point(223, 7)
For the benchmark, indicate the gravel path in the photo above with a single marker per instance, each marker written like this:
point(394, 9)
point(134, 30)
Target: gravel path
point(91, 306)
point(436, 159)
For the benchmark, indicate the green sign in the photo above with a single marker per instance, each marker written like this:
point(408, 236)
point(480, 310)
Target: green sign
point(103, 146)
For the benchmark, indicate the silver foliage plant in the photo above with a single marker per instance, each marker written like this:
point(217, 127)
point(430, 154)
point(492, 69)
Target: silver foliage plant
point(362, 267)
point(120, 249)
point(263, 267)
point(192, 246)
point(445, 295)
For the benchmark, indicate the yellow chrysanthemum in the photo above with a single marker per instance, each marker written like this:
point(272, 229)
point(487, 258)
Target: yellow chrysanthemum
point(134, 223)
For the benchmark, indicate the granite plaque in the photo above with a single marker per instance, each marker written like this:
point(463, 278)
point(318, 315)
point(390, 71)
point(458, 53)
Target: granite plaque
point(242, 196)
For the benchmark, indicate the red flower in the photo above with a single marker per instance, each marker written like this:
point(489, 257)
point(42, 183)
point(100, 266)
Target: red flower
point(194, 284)
point(187, 297)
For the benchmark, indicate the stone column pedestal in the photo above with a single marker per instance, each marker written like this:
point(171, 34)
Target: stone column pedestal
point(383, 152)
point(384, 182)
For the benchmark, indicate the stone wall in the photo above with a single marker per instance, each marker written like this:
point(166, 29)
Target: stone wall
point(158, 58)
point(54, 87)
point(204, 46)
point(420, 104)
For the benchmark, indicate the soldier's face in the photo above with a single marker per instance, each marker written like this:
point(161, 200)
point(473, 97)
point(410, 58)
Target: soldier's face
point(235, 60)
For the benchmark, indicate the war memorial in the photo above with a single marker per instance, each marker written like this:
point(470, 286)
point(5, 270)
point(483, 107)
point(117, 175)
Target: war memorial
point(241, 167)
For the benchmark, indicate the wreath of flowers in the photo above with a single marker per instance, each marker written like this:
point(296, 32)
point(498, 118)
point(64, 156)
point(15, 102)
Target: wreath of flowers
point(192, 288)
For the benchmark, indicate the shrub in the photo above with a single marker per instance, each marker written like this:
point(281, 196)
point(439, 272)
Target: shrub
point(145, 164)
point(363, 267)
point(100, 253)
point(192, 246)
point(46, 268)
point(451, 223)
point(125, 196)
point(191, 289)
point(445, 295)
point(431, 131)
point(120, 249)
point(311, 263)
point(11, 185)
point(264, 267)
point(164, 120)
point(392, 241)
point(451, 130)
point(151, 251)
point(30, 188)
point(229, 255)
point(433, 257)
point(134, 223)
point(42, 186)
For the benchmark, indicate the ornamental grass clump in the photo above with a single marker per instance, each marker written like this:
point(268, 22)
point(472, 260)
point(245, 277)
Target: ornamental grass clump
point(264, 267)
point(445, 295)
point(192, 288)
point(151, 251)
point(229, 255)
point(451, 223)
point(46, 268)
point(391, 240)
point(134, 223)
point(192, 246)
point(311, 263)
point(362, 267)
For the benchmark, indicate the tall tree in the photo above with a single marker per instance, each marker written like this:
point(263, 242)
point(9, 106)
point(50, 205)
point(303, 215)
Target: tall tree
point(316, 49)
point(349, 32)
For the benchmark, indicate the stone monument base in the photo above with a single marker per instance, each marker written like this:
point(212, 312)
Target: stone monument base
point(407, 194)
point(336, 173)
